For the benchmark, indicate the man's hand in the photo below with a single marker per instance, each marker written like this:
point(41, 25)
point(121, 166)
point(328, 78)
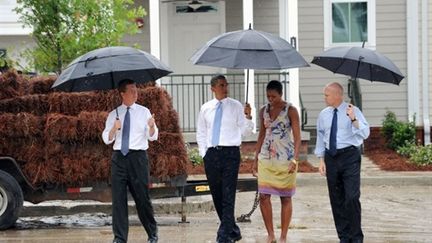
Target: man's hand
point(117, 125)
point(350, 112)
point(114, 129)
point(247, 111)
point(322, 167)
point(151, 122)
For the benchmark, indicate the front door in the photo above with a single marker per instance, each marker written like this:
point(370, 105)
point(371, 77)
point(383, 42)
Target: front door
point(188, 31)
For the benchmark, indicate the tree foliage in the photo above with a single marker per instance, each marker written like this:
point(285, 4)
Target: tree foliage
point(66, 29)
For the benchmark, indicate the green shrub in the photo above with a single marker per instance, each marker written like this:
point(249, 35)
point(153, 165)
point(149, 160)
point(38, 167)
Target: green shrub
point(407, 150)
point(194, 156)
point(422, 156)
point(397, 133)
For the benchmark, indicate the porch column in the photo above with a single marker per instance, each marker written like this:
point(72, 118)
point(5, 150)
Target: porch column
point(250, 96)
point(288, 28)
point(154, 6)
point(425, 71)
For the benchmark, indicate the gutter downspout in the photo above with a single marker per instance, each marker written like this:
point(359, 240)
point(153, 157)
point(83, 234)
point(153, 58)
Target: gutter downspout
point(413, 66)
point(425, 72)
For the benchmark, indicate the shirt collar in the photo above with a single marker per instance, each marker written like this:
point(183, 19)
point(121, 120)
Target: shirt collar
point(132, 107)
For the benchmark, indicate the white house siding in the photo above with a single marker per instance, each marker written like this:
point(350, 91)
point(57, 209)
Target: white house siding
point(390, 41)
point(15, 44)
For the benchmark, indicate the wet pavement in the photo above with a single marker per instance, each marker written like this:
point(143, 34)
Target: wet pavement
point(396, 207)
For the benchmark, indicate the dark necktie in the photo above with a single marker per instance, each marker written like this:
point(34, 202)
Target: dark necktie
point(217, 124)
point(125, 134)
point(333, 134)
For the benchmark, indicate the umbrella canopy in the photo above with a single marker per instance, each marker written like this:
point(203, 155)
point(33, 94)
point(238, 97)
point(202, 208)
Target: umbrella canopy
point(103, 68)
point(359, 62)
point(248, 49)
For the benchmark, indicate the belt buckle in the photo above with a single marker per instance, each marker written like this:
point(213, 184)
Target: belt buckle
point(218, 147)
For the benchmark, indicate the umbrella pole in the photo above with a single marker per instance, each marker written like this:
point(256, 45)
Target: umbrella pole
point(112, 87)
point(247, 85)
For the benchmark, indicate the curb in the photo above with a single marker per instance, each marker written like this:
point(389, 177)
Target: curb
point(198, 204)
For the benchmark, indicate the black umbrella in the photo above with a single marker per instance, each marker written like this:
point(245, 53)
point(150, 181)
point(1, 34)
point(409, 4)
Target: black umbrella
point(103, 68)
point(248, 49)
point(359, 62)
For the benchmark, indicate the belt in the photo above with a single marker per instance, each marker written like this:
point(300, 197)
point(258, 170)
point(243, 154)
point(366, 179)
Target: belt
point(223, 147)
point(344, 150)
point(131, 150)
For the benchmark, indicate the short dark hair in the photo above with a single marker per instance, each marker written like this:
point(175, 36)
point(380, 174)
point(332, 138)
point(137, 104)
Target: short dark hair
point(275, 85)
point(123, 83)
point(214, 80)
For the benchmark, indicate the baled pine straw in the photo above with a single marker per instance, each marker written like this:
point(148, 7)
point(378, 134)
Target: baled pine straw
point(36, 104)
point(28, 150)
point(47, 172)
point(74, 103)
point(11, 84)
point(168, 156)
point(40, 84)
point(91, 125)
point(21, 125)
point(60, 127)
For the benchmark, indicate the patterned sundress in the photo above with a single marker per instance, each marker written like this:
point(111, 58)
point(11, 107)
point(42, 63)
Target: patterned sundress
point(276, 152)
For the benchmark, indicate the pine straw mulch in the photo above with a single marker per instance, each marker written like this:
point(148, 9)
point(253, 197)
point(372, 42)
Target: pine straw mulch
point(56, 136)
point(387, 159)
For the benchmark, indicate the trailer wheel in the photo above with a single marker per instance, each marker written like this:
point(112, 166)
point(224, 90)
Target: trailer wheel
point(11, 200)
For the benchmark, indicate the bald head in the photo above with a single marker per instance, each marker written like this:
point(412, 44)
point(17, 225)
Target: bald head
point(333, 94)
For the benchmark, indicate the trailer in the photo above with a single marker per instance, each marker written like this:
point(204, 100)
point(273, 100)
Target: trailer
point(15, 189)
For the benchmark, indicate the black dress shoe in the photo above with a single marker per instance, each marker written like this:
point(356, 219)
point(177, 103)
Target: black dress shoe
point(236, 238)
point(152, 239)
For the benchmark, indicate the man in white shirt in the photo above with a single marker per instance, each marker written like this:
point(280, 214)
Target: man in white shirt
point(221, 123)
point(130, 127)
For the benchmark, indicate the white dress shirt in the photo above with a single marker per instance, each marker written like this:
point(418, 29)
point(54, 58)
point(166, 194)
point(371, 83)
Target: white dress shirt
point(139, 130)
point(234, 124)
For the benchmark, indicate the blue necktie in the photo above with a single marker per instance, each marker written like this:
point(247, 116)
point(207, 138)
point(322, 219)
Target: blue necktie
point(125, 134)
point(217, 124)
point(333, 134)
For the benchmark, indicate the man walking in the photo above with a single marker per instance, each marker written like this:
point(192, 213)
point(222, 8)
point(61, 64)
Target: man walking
point(221, 123)
point(341, 129)
point(130, 131)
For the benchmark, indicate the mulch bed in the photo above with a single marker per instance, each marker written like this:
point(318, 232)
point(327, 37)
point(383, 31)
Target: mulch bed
point(387, 159)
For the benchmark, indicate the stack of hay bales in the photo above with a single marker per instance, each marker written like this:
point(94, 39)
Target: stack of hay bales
point(56, 136)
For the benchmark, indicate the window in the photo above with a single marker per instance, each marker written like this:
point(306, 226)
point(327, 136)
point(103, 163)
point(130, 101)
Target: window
point(349, 23)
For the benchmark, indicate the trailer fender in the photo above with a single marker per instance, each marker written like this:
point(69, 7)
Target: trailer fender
point(11, 200)
point(10, 166)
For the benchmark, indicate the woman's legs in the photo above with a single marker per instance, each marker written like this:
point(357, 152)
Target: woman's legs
point(286, 213)
point(266, 211)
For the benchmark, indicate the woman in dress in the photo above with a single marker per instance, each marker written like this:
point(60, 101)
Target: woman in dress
point(276, 157)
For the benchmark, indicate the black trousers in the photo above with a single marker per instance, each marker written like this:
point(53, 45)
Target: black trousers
point(222, 167)
point(343, 181)
point(131, 171)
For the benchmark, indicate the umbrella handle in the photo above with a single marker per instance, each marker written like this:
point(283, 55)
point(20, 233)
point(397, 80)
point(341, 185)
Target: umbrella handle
point(117, 116)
